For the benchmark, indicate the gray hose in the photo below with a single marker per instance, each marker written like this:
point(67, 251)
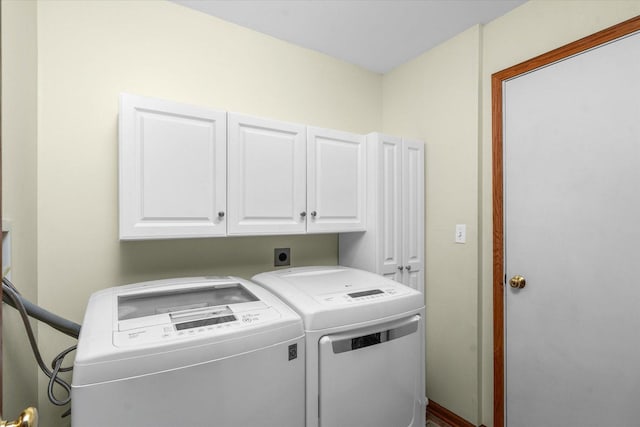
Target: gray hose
point(59, 323)
point(12, 297)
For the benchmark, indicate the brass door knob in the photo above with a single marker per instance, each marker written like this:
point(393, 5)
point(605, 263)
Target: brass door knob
point(28, 418)
point(517, 282)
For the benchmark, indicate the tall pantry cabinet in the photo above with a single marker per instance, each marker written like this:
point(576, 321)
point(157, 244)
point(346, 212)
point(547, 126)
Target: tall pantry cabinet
point(393, 245)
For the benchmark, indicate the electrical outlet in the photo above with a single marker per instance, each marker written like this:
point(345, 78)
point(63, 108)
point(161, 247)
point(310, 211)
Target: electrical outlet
point(281, 257)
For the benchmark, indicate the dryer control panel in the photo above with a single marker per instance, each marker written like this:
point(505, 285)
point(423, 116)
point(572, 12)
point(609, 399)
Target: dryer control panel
point(359, 296)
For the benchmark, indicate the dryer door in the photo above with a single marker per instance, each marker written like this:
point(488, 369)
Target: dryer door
point(370, 377)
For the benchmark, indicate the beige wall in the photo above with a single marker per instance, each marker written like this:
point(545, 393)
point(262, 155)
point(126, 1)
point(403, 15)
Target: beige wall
point(19, 102)
point(435, 98)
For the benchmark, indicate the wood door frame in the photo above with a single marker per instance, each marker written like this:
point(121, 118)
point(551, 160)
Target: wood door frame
point(499, 280)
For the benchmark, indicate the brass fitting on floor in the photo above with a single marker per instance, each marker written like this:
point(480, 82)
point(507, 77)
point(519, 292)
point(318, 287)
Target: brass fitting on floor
point(28, 418)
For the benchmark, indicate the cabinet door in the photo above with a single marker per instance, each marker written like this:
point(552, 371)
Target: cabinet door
point(172, 169)
point(389, 192)
point(267, 176)
point(335, 181)
point(413, 213)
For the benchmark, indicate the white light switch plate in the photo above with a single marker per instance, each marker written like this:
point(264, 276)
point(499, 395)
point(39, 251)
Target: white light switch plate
point(461, 233)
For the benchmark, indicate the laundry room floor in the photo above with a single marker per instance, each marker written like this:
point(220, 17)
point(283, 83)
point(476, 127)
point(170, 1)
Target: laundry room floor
point(433, 421)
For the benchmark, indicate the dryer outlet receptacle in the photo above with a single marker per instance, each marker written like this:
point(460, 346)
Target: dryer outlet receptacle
point(281, 257)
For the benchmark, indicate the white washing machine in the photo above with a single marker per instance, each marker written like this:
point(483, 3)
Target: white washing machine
point(365, 345)
point(219, 352)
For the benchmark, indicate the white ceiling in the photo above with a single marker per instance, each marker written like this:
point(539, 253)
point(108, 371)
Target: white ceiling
point(378, 35)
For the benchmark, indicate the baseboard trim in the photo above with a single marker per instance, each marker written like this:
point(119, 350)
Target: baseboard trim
point(447, 416)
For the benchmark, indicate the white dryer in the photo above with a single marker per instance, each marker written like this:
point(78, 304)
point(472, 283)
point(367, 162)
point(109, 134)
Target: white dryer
point(219, 352)
point(365, 345)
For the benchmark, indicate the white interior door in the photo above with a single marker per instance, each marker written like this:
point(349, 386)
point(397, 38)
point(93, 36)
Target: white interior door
point(572, 213)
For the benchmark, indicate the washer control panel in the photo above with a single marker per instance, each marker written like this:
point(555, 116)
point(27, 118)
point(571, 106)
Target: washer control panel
point(219, 324)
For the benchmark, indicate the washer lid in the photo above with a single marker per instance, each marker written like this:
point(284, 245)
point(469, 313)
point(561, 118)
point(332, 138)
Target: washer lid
point(145, 304)
point(156, 326)
point(333, 296)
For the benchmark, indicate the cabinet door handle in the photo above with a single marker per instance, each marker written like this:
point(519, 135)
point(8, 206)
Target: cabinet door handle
point(303, 214)
point(221, 214)
point(314, 213)
point(400, 268)
point(408, 267)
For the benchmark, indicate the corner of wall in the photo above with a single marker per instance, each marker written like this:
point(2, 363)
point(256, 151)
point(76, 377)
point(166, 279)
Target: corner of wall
point(19, 105)
point(435, 97)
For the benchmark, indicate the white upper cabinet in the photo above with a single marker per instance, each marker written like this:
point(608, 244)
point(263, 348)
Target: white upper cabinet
point(393, 245)
point(172, 169)
point(336, 181)
point(187, 171)
point(266, 176)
